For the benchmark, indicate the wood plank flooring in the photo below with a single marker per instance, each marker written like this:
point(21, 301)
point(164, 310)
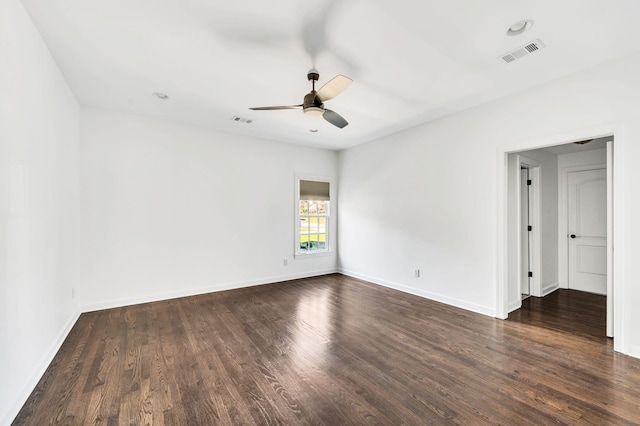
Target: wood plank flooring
point(330, 350)
point(568, 311)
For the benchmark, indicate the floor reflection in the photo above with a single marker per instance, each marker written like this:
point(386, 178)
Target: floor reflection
point(314, 326)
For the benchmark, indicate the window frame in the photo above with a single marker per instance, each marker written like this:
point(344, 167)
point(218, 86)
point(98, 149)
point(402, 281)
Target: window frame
point(328, 250)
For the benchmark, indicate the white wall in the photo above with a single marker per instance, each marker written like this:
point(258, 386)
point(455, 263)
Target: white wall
point(39, 208)
point(170, 210)
point(428, 197)
point(418, 200)
point(582, 159)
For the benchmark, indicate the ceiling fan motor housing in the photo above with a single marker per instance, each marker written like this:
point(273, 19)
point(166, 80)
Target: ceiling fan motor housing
point(312, 105)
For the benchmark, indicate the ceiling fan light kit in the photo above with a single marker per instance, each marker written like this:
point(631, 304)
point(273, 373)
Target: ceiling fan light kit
point(314, 111)
point(313, 102)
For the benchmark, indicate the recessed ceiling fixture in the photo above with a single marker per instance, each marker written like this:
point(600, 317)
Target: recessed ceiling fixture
point(520, 27)
point(313, 130)
point(161, 95)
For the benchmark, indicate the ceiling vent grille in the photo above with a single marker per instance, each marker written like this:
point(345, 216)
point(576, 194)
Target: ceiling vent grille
point(522, 51)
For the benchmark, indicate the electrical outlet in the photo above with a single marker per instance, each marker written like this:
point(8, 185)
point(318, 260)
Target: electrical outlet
point(417, 273)
point(285, 262)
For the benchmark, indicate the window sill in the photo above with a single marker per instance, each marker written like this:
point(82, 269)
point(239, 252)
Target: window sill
point(313, 254)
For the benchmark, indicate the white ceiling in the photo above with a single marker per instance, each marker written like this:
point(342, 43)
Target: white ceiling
point(411, 61)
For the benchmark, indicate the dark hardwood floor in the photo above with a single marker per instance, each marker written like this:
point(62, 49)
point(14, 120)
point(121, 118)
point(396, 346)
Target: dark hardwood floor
point(568, 311)
point(332, 350)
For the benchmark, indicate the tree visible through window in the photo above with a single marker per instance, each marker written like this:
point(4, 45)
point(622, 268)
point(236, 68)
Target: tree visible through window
point(313, 216)
point(313, 225)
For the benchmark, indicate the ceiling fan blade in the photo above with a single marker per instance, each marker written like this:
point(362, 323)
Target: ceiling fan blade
point(276, 107)
point(334, 87)
point(334, 118)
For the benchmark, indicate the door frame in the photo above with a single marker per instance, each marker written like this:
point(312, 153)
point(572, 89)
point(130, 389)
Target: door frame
point(535, 253)
point(617, 253)
point(610, 295)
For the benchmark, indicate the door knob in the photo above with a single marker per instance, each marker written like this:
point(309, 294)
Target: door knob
point(572, 235)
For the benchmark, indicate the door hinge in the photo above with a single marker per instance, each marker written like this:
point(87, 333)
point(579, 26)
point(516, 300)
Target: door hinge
point(530, 274)
point(528, 181)
point(530, 228)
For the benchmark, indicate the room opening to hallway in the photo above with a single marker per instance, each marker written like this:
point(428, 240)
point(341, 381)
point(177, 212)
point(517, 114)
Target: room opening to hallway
point(559, 237)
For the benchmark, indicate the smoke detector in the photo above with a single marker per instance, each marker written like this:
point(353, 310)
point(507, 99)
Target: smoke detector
point(518, 53)
point(242, 119)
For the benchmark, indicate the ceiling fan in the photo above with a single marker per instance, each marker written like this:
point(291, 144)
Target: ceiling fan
point(313, 103)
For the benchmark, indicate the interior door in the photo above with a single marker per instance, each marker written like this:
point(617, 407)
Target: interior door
point(587, 209)
point(525, 284)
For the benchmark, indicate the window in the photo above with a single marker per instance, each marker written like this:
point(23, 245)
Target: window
point(312, 233)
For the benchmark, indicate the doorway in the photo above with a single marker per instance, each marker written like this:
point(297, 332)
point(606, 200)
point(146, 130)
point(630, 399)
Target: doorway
point(528, 227)
point(576, 222)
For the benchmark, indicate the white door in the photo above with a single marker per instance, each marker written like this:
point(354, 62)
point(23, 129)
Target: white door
point(524, 232)
point(587, 198)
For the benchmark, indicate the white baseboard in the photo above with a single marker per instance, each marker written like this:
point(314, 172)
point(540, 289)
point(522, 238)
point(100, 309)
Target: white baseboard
point(23, 394)
point(512, 306)
point(117, 303)
point(422, 293)
point(548, 289)
point(634, 351)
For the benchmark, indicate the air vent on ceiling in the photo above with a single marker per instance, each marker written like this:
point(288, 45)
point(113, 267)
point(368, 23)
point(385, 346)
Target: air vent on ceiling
point(522, 51)
point(242, 120)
